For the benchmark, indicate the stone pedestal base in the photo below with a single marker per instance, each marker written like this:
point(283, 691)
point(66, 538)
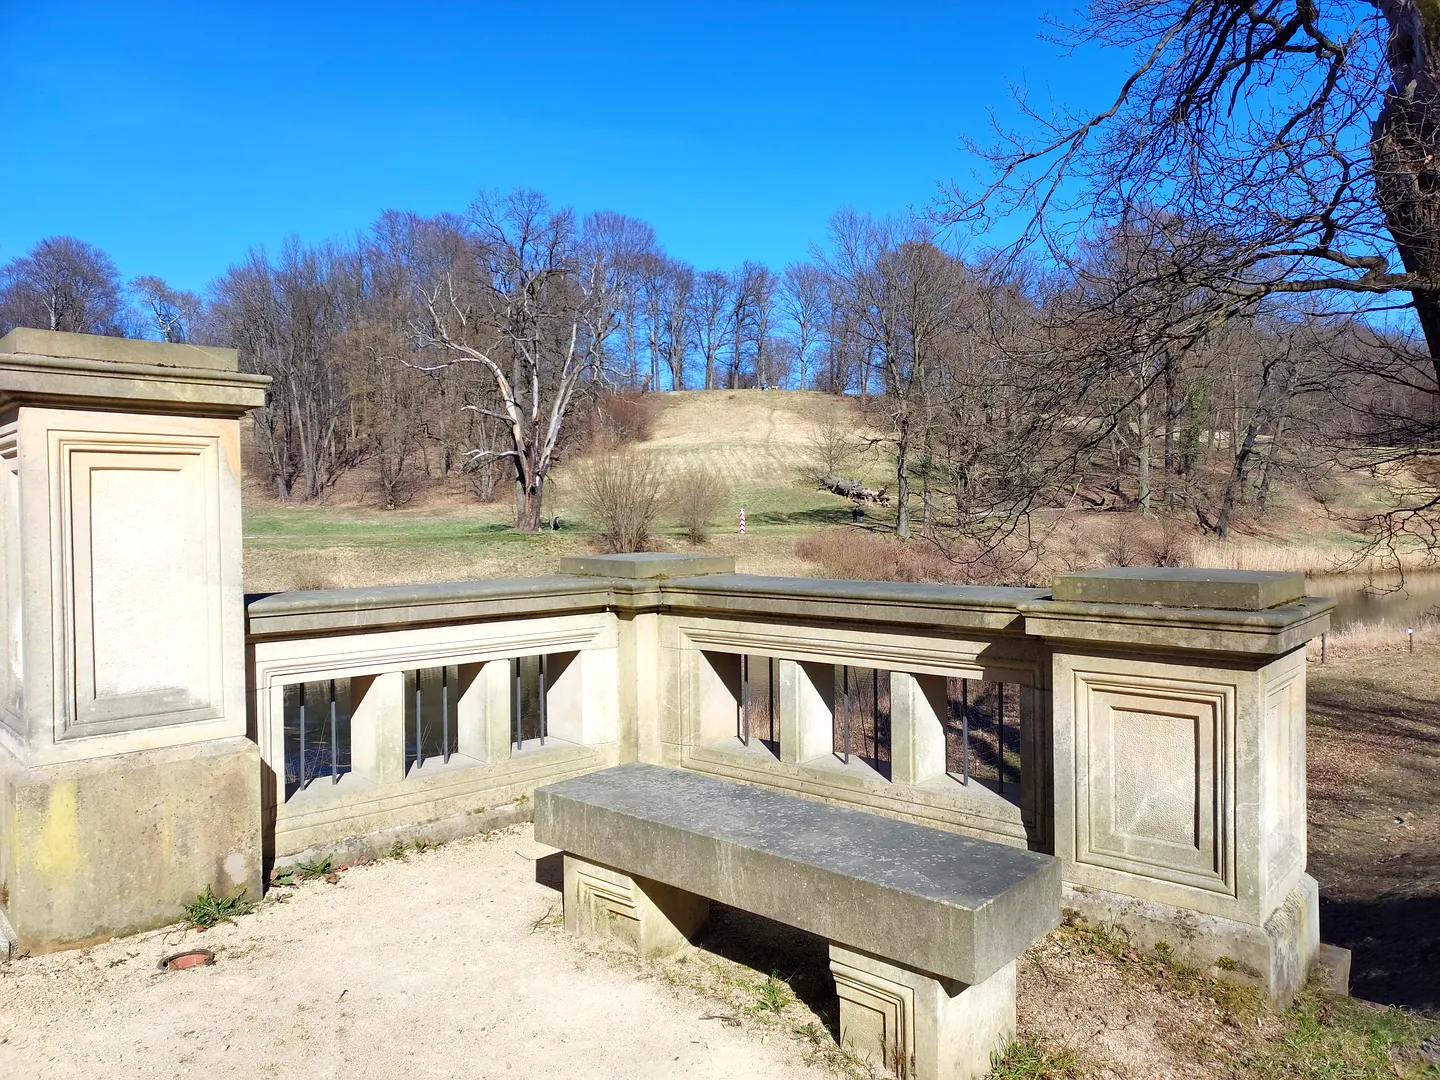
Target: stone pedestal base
point(94, 849)
point(653, 919)
point(917, 1026)
point(1276, 956)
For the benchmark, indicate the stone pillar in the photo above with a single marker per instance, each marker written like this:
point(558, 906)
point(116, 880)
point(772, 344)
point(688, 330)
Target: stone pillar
point(918, 1026)
point(805, 699)
point(127, 782)
point(917, 731)
point(654, 919)
point(1179, 761)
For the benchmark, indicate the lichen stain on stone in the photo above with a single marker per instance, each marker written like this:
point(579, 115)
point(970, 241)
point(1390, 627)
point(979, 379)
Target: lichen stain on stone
point(55, 851)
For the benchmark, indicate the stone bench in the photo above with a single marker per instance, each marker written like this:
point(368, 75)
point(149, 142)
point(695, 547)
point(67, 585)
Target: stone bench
point(924, 926)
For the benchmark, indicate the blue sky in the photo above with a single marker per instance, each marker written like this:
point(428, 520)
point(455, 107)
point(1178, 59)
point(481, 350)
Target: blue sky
point(176, 137)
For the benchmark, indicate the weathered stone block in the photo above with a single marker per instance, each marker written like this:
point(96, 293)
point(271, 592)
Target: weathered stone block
point(103, 847)
point(917, 1026)
point(1185, 587)
point(940, 902)
point(654, 919)
point(1276, 956)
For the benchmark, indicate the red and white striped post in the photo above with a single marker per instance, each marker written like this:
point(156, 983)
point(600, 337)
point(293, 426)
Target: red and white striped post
point(742, 521)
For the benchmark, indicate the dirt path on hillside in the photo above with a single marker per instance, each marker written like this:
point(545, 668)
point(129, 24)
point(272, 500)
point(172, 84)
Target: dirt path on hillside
point(447, 964)
point(1374, 783)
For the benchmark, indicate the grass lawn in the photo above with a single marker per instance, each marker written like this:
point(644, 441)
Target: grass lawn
point(758, 440)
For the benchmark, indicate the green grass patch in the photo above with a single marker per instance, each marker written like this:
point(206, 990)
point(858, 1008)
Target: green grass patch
point(1031, 1058)
point(1338, 1038)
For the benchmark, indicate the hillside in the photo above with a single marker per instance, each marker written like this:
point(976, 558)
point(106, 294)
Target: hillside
point(758, 440)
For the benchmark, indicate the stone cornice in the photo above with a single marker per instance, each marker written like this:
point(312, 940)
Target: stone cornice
point(108, 385)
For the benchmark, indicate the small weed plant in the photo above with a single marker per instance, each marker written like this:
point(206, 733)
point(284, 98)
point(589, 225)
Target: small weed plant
point(305, 871)
point(772, 995)
point(210, 910)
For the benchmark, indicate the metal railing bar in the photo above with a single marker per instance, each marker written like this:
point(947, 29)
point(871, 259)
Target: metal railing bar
point(445, 715)
point(515, 684)
point(419, 743)
point(1000, 770)
point(965, 729)
point(544, 718)
point(334, 739)
point(744, 716)
point(302, 736)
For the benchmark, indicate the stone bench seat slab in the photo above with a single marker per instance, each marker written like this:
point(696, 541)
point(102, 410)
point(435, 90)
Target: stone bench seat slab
point(955, 906)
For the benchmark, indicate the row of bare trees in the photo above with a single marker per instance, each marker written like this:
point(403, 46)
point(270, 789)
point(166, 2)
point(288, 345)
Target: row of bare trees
point(483, 344)
point(1116, 381)
point(66, 284)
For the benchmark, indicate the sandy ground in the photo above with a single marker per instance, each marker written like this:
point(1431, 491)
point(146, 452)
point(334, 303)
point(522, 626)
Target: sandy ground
point(444, 964)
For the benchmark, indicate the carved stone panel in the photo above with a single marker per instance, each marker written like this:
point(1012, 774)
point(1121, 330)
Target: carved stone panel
point(1282, 777)
point(1155, 765)
point(136, 556)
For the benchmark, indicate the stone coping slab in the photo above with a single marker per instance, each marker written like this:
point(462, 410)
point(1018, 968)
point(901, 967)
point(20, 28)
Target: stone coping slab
point(118, 350)
point(914, 605)
point(1188, 587)
point(317, 611)
point(939, 902)
point(907, 606)
point(647, 564)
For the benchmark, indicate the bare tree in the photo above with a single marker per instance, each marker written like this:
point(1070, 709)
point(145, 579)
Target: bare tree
point(173, 312)
point(899, 289)
point(534, 308)
point(62, 284)
point(289, 320)
point(676, 325)
point(803, 299)
point(710, 305)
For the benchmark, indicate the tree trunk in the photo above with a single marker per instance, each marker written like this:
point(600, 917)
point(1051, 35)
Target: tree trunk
point(902, 482)
point(1143, 465)
point(532, 505)
point(1266, 461)
point(1237, 477)
point(1171, 412)
point(1405, 148)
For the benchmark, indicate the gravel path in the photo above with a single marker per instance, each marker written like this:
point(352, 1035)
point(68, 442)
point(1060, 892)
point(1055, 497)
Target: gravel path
point(443, 964)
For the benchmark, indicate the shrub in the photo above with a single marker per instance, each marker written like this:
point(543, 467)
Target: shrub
point(697, 496)
point(614, 419)
point(865, 556)
point(624, 493)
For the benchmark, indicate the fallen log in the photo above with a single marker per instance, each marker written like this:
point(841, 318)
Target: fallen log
point(853, 489)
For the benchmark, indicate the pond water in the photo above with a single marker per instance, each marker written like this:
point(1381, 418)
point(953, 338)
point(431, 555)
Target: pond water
point(1380, 598)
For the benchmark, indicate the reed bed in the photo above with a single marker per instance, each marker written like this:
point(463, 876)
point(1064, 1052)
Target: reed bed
point(1369, 638)
point(1306, 557)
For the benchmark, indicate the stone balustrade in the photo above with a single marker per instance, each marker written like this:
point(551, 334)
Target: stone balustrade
point(1145, 726)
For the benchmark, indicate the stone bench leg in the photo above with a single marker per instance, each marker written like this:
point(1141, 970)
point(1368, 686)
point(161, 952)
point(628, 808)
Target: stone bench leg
point(917, 1026)
point(655, 920)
